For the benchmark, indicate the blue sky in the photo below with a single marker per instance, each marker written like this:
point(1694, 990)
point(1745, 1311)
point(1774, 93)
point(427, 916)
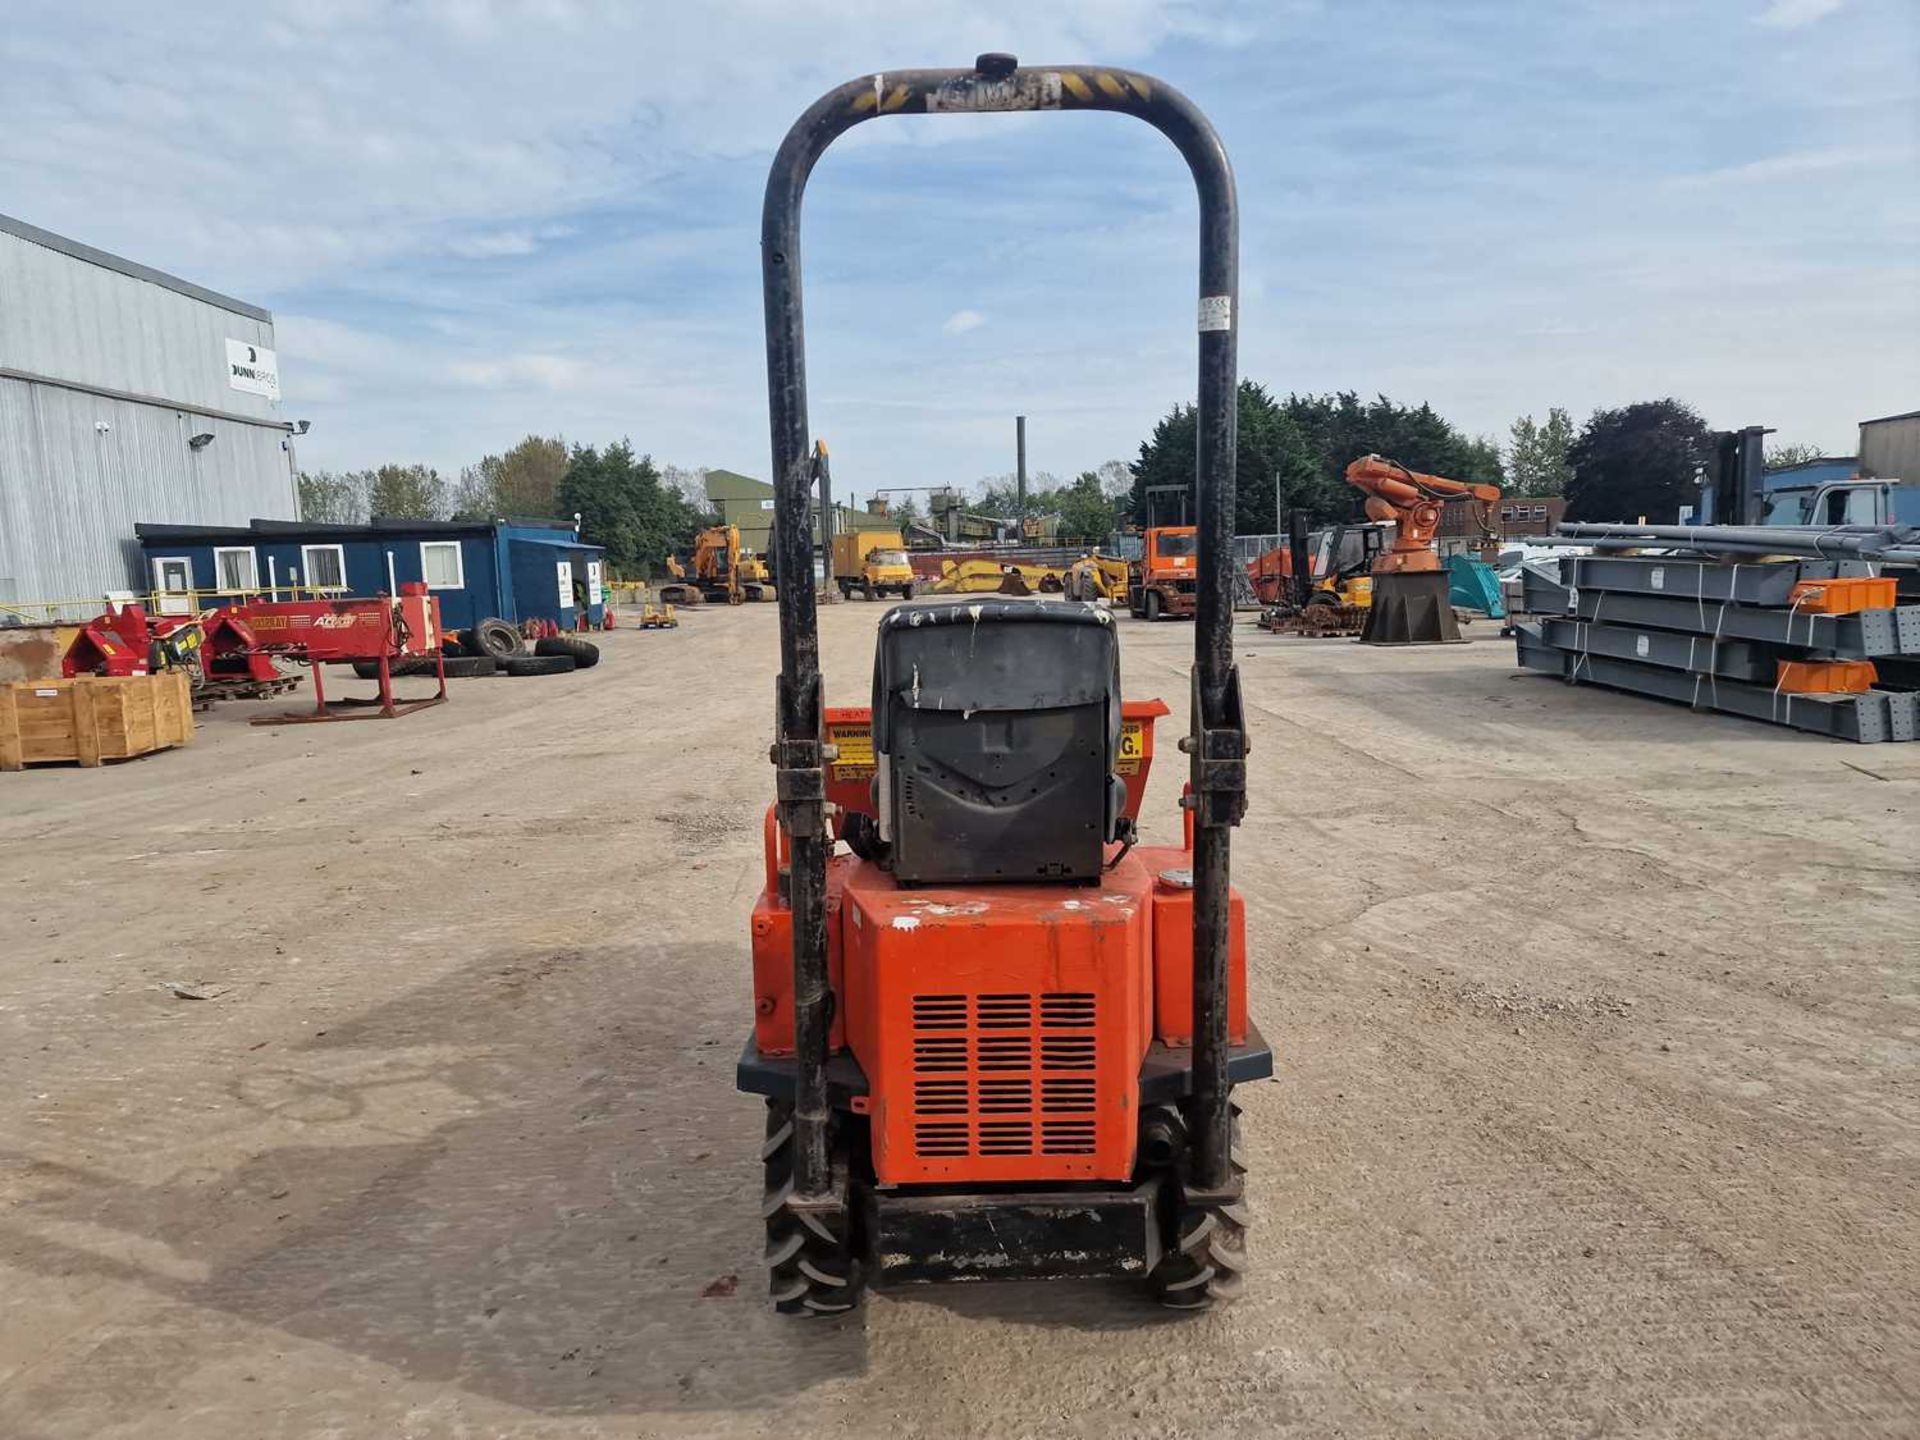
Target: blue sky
point(475, 219)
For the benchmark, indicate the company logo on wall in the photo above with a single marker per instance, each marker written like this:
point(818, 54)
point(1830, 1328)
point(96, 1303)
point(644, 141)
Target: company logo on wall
point(253, 369)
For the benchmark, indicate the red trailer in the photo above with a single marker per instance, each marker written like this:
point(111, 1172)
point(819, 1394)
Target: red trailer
point(339, 632)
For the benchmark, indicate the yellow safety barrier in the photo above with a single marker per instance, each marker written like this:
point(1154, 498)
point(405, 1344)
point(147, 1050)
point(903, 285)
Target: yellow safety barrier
point(154, 602)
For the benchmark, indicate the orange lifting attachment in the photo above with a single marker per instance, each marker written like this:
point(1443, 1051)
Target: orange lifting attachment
point(1826, 677)
point(1846, 595)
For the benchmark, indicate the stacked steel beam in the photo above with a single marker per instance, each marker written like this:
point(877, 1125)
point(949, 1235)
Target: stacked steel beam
point(1713, 631)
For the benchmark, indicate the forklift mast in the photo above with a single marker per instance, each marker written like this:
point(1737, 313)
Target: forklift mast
point(1217, 739)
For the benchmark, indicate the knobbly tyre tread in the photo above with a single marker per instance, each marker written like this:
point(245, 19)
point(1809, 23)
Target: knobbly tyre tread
point(584, 653)
point(810, 1271)
point(492, 636)
point(1206, 1264)
point(536, 665)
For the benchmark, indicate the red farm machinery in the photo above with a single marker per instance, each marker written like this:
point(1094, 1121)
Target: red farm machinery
point(236, 651)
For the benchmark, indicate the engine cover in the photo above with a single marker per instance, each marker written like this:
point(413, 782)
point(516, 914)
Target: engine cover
point(1001, 1028)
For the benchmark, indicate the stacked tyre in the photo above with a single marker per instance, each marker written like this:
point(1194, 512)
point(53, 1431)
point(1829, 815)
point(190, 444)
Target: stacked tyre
point(494, 647)
point(459, 667)
point(536, 665)
point(492, 636)
point(584, 653)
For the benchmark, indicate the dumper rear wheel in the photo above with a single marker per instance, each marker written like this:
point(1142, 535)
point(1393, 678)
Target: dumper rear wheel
point(1206, 1256)
point(811, 1266)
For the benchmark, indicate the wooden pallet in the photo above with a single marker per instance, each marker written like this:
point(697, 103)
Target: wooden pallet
point(91, 718)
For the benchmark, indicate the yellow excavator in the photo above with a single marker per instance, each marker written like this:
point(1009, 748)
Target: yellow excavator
point(719, 569)
point(980, 576)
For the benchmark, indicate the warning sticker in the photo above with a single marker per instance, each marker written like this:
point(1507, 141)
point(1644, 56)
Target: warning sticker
point(1216, 312)
point(856, 751)
point(1133, 748)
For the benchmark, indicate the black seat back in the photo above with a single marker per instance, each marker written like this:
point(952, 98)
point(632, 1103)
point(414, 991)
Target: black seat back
point(996, 724)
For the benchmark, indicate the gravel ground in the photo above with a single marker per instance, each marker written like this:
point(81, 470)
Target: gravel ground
point(1595, 1114)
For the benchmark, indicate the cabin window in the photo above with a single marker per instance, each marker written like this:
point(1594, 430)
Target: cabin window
point(234, 568)
point(440, 565)
point(325, 566)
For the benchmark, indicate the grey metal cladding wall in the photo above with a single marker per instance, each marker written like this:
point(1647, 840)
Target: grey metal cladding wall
point(74, 320)
point(70, 493)
point(1890, 449)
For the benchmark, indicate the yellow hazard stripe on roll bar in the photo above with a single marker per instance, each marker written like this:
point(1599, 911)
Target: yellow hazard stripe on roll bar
point(878, 99)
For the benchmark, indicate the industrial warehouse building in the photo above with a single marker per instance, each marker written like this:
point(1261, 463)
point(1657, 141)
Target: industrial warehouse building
point(126, 394)
point(748, 503)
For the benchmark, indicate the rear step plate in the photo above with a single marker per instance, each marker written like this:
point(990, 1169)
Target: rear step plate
point(1023, 1235)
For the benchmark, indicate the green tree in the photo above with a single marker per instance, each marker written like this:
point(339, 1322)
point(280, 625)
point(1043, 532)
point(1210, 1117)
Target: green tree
point(1537, 455)
point(405, 492)
point(328, 497)
point(1636, 461)
point(523, 482)
point(1779, 457)
point(623, 505)
point(1000, 495)
point(1273, 456)
point(1341, 428)
point(1089, 511)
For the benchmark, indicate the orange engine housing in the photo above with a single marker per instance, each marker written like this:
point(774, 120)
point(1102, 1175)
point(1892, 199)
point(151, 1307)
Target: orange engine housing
point(1001, 1028)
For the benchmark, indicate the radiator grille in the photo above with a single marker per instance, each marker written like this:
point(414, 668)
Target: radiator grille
point(1004, 1074)
point(1066, 1052)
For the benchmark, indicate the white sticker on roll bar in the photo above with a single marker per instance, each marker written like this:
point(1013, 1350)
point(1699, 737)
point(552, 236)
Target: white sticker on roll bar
point(1216, 312)
point(1022, 90)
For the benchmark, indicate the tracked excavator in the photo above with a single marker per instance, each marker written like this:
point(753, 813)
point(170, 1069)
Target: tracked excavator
point(720, 569)
point(1410, 586)
point(998, 1036)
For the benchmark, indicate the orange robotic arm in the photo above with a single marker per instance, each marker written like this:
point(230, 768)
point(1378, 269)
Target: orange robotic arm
point(1412, 502)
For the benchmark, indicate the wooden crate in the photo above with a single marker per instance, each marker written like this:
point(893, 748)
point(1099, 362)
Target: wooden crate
point(92, 718)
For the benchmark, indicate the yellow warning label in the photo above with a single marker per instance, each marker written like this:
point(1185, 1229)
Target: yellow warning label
point(856, 751)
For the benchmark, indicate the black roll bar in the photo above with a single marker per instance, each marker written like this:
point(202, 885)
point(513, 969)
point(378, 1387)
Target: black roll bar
point(1217, 741)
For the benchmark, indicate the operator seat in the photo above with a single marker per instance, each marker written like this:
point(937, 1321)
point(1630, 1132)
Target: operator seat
point(996, 727)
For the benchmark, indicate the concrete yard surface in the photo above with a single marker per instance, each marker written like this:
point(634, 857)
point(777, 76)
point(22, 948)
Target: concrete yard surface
point(376, 1080)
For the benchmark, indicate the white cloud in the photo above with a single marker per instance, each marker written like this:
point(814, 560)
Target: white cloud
point(1792, 14)
point(478, 218)
point(497, 245)
point(1791, 164)
point(543, 372)
point(355, 131)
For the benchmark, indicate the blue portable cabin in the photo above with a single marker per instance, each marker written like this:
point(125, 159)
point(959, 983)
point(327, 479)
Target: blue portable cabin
point(516, 570)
